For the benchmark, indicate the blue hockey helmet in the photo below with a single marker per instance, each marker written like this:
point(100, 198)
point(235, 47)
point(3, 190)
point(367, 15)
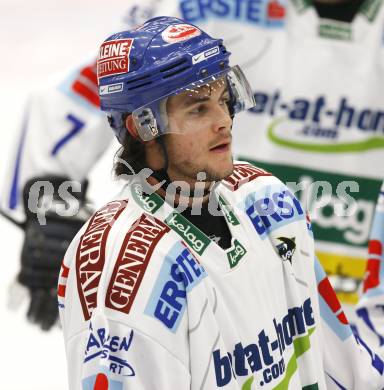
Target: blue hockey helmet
point(139, 69)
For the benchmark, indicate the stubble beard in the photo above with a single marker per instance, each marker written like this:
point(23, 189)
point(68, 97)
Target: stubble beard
point(215, 175)
point(191, 171)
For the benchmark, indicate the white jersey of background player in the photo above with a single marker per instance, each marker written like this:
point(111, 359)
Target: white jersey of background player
point(370, 310)
point(318, 114)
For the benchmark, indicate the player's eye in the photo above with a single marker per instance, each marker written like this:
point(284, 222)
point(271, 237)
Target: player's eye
point(225, 99)
point(198, 109)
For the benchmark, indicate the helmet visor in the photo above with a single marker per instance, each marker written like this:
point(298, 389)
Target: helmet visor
point(196, 105)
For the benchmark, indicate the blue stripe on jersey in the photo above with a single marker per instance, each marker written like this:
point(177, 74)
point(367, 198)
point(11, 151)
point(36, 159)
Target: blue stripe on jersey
point(342, 331)
point(374, 292)
point(77, 126)
point(14, 194)
point(337, 383)
point(377, 232)
point(376, 361)
point(363, 313)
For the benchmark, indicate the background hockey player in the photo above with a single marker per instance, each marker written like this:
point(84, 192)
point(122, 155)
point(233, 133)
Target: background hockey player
point(318, 117)
point(370, 309)
point(148, 300)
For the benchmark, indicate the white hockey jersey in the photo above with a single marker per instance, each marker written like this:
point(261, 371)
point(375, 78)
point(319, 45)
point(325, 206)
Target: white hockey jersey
point(370, 309)
point(318, 122)
point(147, 301)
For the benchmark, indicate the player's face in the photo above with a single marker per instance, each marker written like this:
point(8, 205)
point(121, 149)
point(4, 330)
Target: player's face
point(202, 142)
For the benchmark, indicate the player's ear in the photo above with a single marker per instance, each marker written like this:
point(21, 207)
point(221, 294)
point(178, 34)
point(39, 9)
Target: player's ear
point(132, 130)
point(131, 127)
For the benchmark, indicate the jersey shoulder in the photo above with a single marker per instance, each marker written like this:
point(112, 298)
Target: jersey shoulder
point(243, 172)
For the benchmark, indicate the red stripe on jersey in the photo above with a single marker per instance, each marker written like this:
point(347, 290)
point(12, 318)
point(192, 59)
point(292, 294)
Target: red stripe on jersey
point(342, 318)
point(86, 93)
point(64, 271)
point(90, 73)
point(61, 290)
point(373, 271)
point(375, 247)
point(101, 382)
point(329, 295)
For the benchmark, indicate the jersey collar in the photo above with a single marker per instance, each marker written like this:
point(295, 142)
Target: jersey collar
point(337, 30)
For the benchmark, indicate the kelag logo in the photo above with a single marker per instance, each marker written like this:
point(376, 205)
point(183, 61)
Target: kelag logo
point(266, 354)
point(272, 211)
point(319, 121)
point(235, 253)
point(179, 274)
point(149, 203)
point(197, 240)
point(110, 348)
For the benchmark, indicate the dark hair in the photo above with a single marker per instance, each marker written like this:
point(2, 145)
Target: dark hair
point(132, 152)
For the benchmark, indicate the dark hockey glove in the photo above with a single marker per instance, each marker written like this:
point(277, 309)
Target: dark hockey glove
point(54, 214)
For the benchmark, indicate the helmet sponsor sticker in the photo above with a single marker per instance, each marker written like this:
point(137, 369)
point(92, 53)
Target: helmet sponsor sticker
point(179, 33)
point(113, 57)
point(110, 88)
point(205, 55)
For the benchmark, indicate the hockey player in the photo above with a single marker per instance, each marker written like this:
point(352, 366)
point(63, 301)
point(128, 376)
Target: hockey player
point(149, 300)
point(370, 310)
point(315, 70)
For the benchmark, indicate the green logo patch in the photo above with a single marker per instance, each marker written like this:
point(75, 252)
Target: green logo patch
point(229, 214)
point(235, 253)
point(194, 237)
point(150, 203)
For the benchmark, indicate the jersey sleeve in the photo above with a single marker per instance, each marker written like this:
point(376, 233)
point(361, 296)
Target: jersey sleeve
point(349, 362)
point(62, 122)
point(112, 355)
point(105, 284)
point(370, 309)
